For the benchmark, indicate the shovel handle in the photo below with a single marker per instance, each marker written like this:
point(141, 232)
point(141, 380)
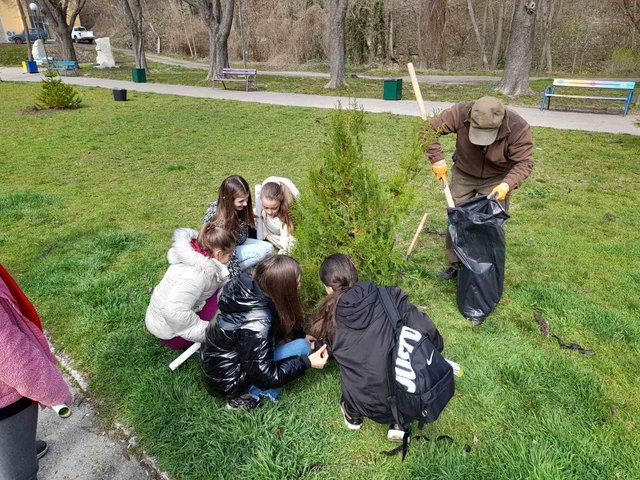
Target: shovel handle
point(447, 193)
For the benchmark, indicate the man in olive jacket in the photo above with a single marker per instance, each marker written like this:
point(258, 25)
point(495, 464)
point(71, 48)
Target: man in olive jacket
point(494, 155)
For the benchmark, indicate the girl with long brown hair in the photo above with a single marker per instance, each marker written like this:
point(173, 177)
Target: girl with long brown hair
point(233, 212)
point(277, 196)
point(256, 344)
point(353, 322)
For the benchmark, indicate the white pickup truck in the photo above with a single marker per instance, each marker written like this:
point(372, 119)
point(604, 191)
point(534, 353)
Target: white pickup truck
point(81, 34)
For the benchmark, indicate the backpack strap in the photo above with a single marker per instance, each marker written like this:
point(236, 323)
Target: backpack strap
point(396, 323)
point(390, 308)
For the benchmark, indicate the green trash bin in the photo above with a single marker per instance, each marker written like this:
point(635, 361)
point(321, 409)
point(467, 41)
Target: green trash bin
point(139, 75)
point(392, 89)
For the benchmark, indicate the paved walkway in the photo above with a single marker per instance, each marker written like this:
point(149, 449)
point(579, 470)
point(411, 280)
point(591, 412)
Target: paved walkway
point(81, 449)
point(591, 122)
point(450, 79)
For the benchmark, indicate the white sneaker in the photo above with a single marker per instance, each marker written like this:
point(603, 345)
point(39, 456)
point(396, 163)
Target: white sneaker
point(395, 433)
point(351, 421)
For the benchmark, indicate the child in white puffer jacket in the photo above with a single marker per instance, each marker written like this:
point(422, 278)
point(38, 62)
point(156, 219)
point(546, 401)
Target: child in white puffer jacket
point(185, 299)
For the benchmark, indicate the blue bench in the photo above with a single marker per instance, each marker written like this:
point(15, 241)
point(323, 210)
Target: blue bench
point(627, 87)
point(65, 66)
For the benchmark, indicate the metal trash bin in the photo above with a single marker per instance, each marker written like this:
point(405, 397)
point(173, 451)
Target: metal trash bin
point(392, 89)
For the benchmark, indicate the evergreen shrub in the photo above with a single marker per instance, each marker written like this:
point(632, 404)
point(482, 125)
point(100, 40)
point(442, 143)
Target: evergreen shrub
point(57, 95)
point(349, 209)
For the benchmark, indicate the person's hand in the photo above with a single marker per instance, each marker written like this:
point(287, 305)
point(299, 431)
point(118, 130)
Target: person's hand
point(500, 191)
point(440, 169)
point(319, 359)
point(312, 341)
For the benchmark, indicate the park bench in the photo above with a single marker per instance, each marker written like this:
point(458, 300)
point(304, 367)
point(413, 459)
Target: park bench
point(65, 66)
point(228, 74)
point(627, 87)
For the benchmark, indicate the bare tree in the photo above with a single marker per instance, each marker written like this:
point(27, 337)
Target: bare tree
point(57, 13)
point(479, 38)
point(133, 14)
point(25, 27)
point(629, 9)
point(497, 41)
point(337, 14)
point(515, 79)
point(151, 23)
point(218, 21)
point(547, 12)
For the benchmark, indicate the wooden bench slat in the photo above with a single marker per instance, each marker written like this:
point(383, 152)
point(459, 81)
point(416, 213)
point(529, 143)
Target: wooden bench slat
point(624, 99)
point(248, 75)
point(560, 82)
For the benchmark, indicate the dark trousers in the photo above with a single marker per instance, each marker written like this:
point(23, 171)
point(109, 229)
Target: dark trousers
point(18, 459)
point(464, 187)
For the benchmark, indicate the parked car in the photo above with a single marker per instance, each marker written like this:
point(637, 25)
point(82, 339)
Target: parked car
point(81, 34)
point(34, 34)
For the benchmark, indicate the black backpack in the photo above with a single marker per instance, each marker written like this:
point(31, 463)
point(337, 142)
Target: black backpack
point(420, 379)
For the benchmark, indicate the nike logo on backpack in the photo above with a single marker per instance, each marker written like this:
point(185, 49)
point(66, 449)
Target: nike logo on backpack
point(430, 359)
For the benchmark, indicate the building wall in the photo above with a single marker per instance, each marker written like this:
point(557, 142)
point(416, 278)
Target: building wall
point(10, 19)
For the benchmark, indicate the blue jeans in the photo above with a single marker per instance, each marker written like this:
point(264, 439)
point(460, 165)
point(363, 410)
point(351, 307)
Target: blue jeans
point(295, 348)
point(251, 252)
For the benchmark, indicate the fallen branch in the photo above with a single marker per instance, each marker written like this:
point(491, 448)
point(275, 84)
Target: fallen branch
point(546, 332)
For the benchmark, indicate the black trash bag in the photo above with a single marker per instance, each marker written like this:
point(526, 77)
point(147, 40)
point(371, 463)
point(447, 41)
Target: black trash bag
point(478, 240)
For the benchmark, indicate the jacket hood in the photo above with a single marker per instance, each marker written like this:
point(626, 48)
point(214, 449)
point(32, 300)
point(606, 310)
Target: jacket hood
point(355, 308)
point(243, 294)
point(181, 252)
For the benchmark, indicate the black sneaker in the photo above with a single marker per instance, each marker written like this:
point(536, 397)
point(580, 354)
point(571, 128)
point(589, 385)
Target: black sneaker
point(41, 448)
point(353, 421)
point(243, 402)
point(395, 433)
point(448, 274)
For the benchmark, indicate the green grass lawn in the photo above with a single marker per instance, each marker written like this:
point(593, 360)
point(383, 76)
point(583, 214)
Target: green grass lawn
point(89, 199)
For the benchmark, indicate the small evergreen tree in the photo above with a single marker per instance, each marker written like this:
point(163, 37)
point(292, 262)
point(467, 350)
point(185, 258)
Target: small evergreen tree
point(349, 209)
point(57, 95)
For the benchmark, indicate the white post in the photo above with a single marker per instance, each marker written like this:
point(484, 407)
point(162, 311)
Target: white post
point(259, 220)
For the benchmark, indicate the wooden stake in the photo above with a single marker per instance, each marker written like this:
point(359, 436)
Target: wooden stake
point(423, 114)
point(415, 237)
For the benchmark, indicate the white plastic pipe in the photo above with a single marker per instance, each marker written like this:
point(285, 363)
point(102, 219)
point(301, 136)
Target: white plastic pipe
point(184, 356)
point(457, 369)
point(259, 220)
point(62, 410)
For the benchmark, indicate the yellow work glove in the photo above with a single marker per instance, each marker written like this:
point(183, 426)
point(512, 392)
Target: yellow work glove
point(501, 191)
point(440, 169)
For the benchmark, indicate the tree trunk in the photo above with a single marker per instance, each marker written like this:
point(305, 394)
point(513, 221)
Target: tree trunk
point(497, 45)
point(212, 30)
point(337, 14)
point(25, 27)
point(222, 50)
point(546, 12)
point(218, 22)
point(479, 39)
point(62, 21)
point(391, 39)
point(68, 51)
point(515, 79)
point(133, 11)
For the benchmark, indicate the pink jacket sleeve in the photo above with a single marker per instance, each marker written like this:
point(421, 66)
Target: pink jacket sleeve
point(24, 366)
